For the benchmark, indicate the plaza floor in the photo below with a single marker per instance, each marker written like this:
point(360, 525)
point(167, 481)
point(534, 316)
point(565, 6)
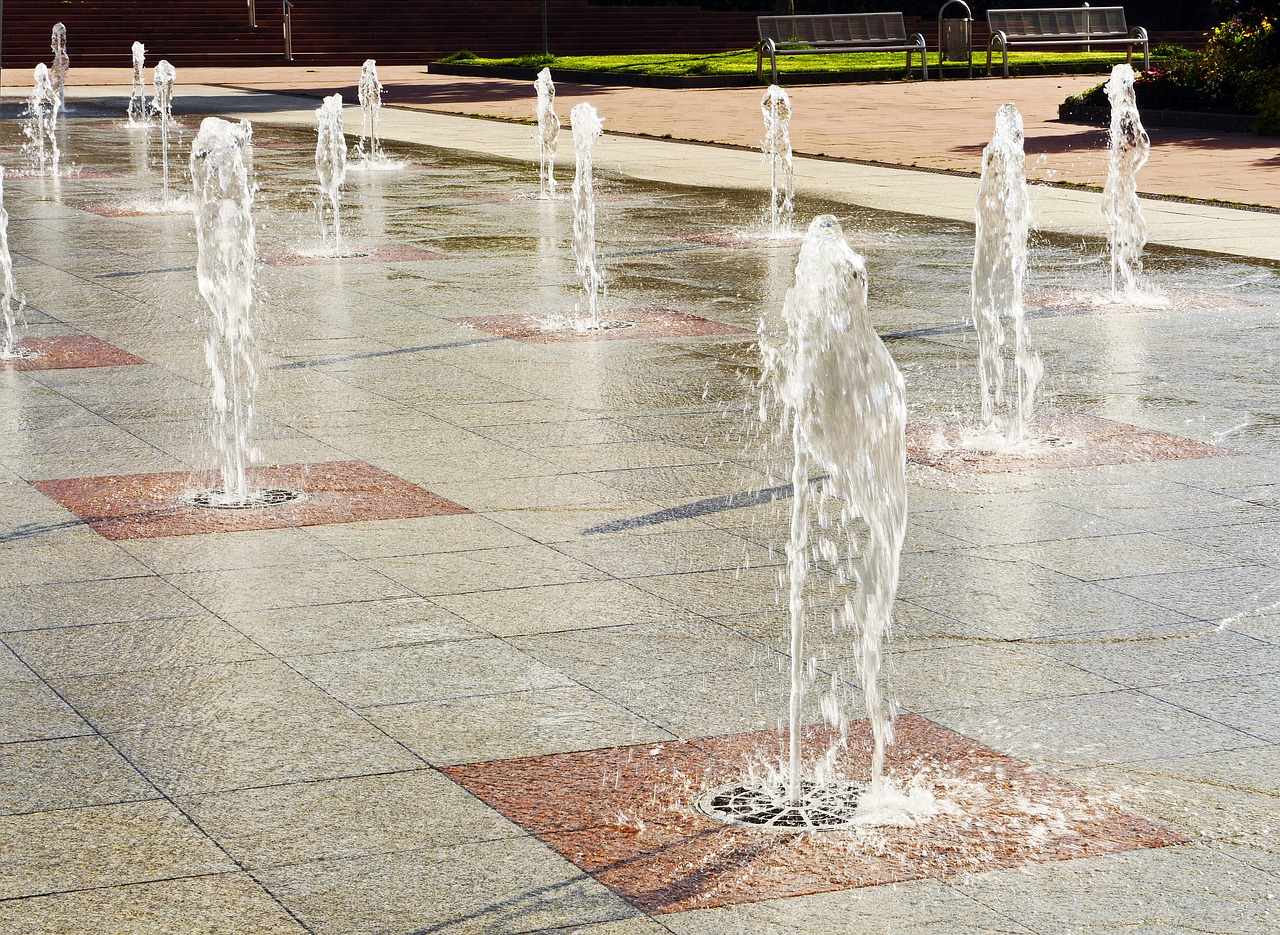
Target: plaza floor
point(488, 709)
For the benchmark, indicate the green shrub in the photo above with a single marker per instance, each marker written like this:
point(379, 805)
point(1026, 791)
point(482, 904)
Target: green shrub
point(462, 55)
point(1268, 122)
point(535, 61)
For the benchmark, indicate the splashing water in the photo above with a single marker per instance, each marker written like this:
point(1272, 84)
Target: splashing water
point(138, 94)
point(1003, 221)
point(42, 122)
point(548, 132)
point(224, 269)
point(844, 403)
point(587, 127)
point(61, 62)
point(776, 107)
point(369, 93)
point(331, 164)
point(162, 78)
point(1129, 146)
point(8, 288)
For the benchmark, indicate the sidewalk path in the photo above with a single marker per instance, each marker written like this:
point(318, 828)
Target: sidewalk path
point(941, 125)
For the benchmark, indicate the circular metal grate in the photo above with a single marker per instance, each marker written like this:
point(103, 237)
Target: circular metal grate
point(829, 807)
point(18, 353)
point(258, 497)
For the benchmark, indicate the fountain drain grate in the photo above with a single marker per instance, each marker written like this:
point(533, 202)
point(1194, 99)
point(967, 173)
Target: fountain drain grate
point(18, 353)
point(828, 807)
point(257, 498)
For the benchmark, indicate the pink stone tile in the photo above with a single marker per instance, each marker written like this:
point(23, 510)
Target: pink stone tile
point(1090, 442)
point(143, 506)
point(71, 352)
point(634, 323)
point(625, 816)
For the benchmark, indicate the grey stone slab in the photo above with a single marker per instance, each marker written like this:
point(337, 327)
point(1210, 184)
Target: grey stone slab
point(485, 570)
point(657, 550)
point(419, 536)
point(1099, 557)
point(246, 589)
point(1209, 595)
point(101, 649)
point(262, 749)
point(34, 607)
point(1135, 658)
point(339, 818)
point(613, 656)
point(78, 848)
point(551, 608)
point(918, 906)
point(427, 671)
point(501, 887)
point(69, 772)
point(1245, 702)
point(1171, 889)
point(1093, 730)
point(513, 724)
point(226, 551)
point(76, 555)
point(205, 905)
point(190, 695)
point(31, 710)
point(351, 625)
point(1243, 543)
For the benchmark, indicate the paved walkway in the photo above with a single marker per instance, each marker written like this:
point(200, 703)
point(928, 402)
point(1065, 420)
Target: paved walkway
point(942, 125)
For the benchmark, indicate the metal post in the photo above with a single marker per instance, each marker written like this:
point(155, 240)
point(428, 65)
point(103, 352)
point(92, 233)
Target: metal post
point(253, 14)
point(287, 8)
point(1086, 27)
point(545, 48)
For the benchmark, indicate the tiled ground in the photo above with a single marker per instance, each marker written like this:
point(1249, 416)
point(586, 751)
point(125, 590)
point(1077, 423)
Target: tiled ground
point(251, 730)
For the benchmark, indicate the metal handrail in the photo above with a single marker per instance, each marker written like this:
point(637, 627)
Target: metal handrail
point(287, 9)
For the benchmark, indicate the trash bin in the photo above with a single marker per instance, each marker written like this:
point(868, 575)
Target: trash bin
point(956, 39)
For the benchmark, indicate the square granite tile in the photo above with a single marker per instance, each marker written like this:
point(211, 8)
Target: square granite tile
point(625, 816)
point(143, 505)
point(71, 772)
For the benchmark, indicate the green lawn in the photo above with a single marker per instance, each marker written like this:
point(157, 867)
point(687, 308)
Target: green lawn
point(743, 62)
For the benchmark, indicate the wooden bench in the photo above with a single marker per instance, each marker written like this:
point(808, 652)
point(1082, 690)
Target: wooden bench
point(835, 32)
point(1086, 25)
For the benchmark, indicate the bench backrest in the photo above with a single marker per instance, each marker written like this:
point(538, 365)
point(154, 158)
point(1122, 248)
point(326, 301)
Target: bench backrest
point(834, 27)
point(1061, 21)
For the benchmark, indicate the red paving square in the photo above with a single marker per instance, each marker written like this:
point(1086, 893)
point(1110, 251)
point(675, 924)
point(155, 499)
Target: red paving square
point(624, 816)
point(71, 352)
point(361, 253)
point(638, 323)
point(144, 506)
point(1089, 442)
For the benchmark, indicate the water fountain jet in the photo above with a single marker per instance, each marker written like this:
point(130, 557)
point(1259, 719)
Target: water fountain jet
point(9, 289)
point(227, 255)
point(61, 62)
point(842, 400)
point(587, 125)
point(369, 93)
point(331, 164)
point(138, 93)
point(1002, 224)
point(548, 133)
point(42, 122)
point(1128, 148)
point(162, 78)
point(776, 148)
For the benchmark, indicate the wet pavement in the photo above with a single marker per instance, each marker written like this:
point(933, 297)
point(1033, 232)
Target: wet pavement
point(272, 729)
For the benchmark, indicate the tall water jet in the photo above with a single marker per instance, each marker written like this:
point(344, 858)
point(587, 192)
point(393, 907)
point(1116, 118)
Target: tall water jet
point(369, 93)
point(843, 400)
point(331, 164)
point(587, 126)
point(776, 107)
point(548, 132)
point(1002, 224)
point(162, 78)
point(1128, 150)
point(8, 288)
point(61, 62)
point(41, 125)
point(225, 270)
point(138, 94)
